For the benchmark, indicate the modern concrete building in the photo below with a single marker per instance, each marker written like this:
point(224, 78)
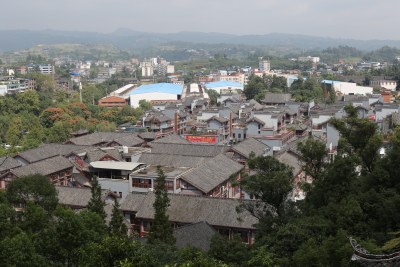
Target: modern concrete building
point(225, 87)
point(158, 91)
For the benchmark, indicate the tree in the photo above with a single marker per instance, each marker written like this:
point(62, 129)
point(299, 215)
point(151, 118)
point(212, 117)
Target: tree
point(233, 252)
point(161, 230)
point(15, 131)
point(19, 250)
point(271, 182)
point(144, 105)
point(213, 96)
point(116, 251)
point(58, 133)
point(261, 257)
point(255, 87)
point(360, 137)
point(33, 188)
point(314, 156)
point(96, 203)
point(117, 223)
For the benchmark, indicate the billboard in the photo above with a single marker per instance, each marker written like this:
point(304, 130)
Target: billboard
point(201, 139)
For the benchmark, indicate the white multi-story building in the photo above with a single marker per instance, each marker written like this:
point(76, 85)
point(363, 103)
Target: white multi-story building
point(387, 84)
point(238, 78)
point(309, 59)
point(11, 85)
point(147, 68)
point(46, 69)
point(264, 65)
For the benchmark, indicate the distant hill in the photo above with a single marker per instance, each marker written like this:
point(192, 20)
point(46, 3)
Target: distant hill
point(128, 39)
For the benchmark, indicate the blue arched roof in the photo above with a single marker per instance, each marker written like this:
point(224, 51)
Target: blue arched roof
point(169, 88)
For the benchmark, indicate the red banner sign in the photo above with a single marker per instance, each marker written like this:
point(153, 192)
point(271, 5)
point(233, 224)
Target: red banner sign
point(201, 139)
point(372, 117)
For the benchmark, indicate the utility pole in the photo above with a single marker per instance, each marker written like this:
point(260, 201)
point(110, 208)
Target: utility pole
point(80, 91)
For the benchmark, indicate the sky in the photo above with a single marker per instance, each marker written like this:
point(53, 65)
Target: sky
point(355, 19)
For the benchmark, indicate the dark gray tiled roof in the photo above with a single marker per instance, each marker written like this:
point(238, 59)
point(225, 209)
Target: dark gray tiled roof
point(276, 98)
point(124, 139)
point(187, 149)
point(129, 140)
point(147, 135)
point(51, 150)
point(255, 119)
point(7, 163)
point(197, 235)
point(171, 160)
point(157, 117)
point(44, 167)
point(171, 139)
point(212, 173)
point(191, 209)
point(255, 104)
point(219, 119)
point(76, 196)
point(98, 154)
point(249, 145)
point(290, 159)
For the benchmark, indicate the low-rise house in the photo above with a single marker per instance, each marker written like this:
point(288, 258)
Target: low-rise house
point(8, 163)
point(112, 101)
point(103, 139)
point(170, 139)
point(276, 99)
point(187, 149)
point(383, 110)
point(220, 125)
point(214, 178)
point(57, 169)
point(77, 198)
point(47, 151)
point(114, 175)
point(158, 122)
point(383, 83)
point(144, 180)
point(321, 128)
point(222, 214)
point(243, 150)
point(162, 159)
point(103, 155)
point(266, 122)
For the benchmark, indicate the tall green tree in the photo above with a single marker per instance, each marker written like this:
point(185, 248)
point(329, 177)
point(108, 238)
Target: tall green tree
point(96, 203)
point(117, 223)
point(161, 230)
point(360, 138)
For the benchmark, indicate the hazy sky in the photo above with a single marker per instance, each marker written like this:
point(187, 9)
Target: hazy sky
point(358, 19)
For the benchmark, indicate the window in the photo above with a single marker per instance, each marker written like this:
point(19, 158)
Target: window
point(141, 183)
point(239, 136)
point(169, 185)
